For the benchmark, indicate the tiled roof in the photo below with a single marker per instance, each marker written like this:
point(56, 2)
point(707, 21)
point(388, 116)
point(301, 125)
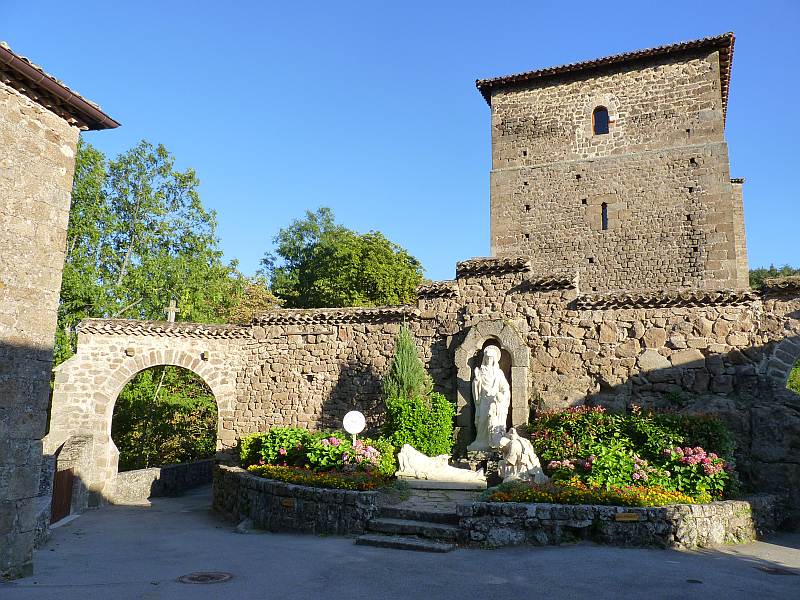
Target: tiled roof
point(723, 43)
point(161, 329)
point(31, 80)
point(315, 316)
point(438, 289)
point(783, 285)
point(666, 299)
point(481, 267)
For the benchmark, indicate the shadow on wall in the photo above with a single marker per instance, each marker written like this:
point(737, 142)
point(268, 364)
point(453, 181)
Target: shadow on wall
point(358, 387)
point(24, 396)
point(745, 388)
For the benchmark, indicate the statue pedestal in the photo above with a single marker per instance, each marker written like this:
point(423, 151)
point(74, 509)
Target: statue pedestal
point(487, 460)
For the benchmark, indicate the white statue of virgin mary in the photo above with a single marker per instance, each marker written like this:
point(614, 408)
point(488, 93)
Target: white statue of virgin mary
point(492, 397)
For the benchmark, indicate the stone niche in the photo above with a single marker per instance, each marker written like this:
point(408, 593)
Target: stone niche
point(509, 337)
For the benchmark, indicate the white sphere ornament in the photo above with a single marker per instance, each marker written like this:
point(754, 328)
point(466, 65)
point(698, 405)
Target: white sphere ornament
point(354, 422)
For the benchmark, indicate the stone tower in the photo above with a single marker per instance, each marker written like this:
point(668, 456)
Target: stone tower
point(40, 119)
point(617, 169)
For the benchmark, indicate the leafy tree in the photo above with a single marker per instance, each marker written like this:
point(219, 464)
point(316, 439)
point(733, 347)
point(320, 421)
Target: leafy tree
point(757, 276)
point(318, 263)
point(253, 299)
point(138, 236)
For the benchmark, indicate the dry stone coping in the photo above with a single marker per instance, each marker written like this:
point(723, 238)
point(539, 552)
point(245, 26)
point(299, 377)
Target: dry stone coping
point(161, 329)
point(788, 285)
point(481, 267)
point(438, 289)
point(315, 316)
point(667, 299)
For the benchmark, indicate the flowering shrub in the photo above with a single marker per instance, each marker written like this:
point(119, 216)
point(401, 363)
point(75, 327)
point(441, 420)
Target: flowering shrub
point(638, 449)
point(575, 491)
point(697, 470)
point(355, 480)
point(294, 446)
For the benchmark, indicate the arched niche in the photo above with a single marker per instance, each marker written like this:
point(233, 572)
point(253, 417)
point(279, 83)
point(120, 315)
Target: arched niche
point(512, 344)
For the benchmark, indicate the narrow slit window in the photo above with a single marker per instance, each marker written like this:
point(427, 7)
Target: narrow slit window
point(600, 120)
point(604, 216)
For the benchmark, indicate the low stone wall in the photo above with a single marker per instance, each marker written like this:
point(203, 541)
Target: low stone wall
point(680, 526)
point(172, 480)
point(278, 506)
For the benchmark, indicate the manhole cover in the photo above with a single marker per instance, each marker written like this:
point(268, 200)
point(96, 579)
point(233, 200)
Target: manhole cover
point(205, 577)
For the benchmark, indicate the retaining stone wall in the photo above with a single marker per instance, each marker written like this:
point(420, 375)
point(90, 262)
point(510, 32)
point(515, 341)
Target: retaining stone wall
point(680, 526)
point(171, 480)
point(278, 506)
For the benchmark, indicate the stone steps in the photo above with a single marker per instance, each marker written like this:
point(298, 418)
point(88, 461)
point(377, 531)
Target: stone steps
point(406, 528)
point(425, 529)
point(410, 514)
point(403, 542)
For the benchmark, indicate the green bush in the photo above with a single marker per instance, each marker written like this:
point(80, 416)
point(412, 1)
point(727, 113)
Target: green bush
point(686, 453)
point(287, 445)
point(794, 379)
point(424, 423)
point(414, 414)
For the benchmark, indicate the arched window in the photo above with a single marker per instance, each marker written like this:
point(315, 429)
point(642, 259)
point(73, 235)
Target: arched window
point(600, 120)
point(604, 216)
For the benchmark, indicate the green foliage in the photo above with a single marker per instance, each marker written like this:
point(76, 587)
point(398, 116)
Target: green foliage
point(757, 276)
point(320, 451)
point(794, 378)
point(139, 236)
point(407, 377)
point(424, 423)
point(164, 415)
point(318, 263)
point(279, 444)
point(636, 449)
point(414, 414)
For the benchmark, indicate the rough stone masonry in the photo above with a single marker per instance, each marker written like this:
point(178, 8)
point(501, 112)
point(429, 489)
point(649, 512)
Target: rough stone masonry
point(39, 124)
point(661, 317)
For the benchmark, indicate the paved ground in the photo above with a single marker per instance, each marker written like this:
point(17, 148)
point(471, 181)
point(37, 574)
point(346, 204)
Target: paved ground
point(137, 552)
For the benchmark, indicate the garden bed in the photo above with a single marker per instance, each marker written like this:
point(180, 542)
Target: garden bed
point(279, 506)
point(685, 526)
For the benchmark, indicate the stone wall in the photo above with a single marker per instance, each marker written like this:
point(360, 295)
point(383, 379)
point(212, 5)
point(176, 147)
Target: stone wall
point(683, 526)
point(171, 480)
point(36, 170)
point(724, 353)
point(278, 506)
point(661, 174)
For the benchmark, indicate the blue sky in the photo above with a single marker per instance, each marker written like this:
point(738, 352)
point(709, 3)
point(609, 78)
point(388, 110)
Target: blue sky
point(371, 108)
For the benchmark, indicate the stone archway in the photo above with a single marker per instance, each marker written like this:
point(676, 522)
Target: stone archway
point(109, 355)
point(508, 337)
point(779, 366)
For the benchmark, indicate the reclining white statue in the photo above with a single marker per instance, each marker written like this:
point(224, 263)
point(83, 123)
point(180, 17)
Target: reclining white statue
point(415, 465)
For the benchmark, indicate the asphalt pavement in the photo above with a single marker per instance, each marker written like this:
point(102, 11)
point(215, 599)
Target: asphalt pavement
point(121, 552)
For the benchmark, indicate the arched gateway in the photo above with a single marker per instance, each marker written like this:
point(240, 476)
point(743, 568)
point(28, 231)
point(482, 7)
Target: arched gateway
point(109, 354)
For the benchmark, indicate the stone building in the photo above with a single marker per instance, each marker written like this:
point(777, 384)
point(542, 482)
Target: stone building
point(670, 323)
point(40, 119)
point(617, 169)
